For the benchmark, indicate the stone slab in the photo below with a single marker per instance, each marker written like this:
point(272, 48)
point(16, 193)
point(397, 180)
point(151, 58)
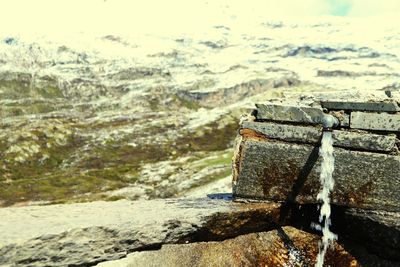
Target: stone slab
point(89, 233)
point(375, 121)
point(378, 230)
point(343, 118)
point(280, 171)
point(387, 106)
point(286, 246)
point(312, 135)
point(309, 115)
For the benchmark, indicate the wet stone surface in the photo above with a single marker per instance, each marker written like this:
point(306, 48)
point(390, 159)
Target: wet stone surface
point(378, 230)
point(285, 246)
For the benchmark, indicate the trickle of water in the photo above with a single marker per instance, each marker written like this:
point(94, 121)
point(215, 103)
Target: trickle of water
point(327, 182)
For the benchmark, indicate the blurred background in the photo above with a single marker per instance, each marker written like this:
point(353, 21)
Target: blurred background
point(141, 99)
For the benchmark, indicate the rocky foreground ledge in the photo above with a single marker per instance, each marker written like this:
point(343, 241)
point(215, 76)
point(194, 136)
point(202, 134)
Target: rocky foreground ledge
point(88, 233)
point(203, 232)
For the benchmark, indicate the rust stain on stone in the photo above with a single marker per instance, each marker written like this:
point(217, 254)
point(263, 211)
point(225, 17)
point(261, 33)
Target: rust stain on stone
point(354, 196)
point(244, 218)
point(244, 135)
point(339, 257)
point(299, 249)
point(237, 158)
point(279, 180)
point(251, 134)
point(311, 188)
point(285, 246)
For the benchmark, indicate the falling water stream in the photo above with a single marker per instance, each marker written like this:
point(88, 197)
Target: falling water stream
point(327, 182)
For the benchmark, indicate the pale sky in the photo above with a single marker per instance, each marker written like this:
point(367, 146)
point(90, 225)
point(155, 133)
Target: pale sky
point(60, 16)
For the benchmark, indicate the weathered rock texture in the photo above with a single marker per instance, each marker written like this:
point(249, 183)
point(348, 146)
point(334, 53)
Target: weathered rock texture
point(285, 246)
point(375, 121)
point(373, 237)
point(302, 114)
point(277, 155)
point(281, 171)
point(92, 233)
point(312, 135)
point(86, 234)
point(379, 231)
point(387, 106)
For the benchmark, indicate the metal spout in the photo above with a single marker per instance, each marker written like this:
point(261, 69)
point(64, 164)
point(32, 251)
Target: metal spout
point(329, 122)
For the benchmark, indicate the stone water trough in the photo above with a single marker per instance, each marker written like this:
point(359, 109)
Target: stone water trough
point(277, 154)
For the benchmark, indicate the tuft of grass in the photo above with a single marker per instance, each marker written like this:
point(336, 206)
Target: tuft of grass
point(22, 88)
point(15, 89)
point(49, 92)
point(212, 138)
point(189, 104)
